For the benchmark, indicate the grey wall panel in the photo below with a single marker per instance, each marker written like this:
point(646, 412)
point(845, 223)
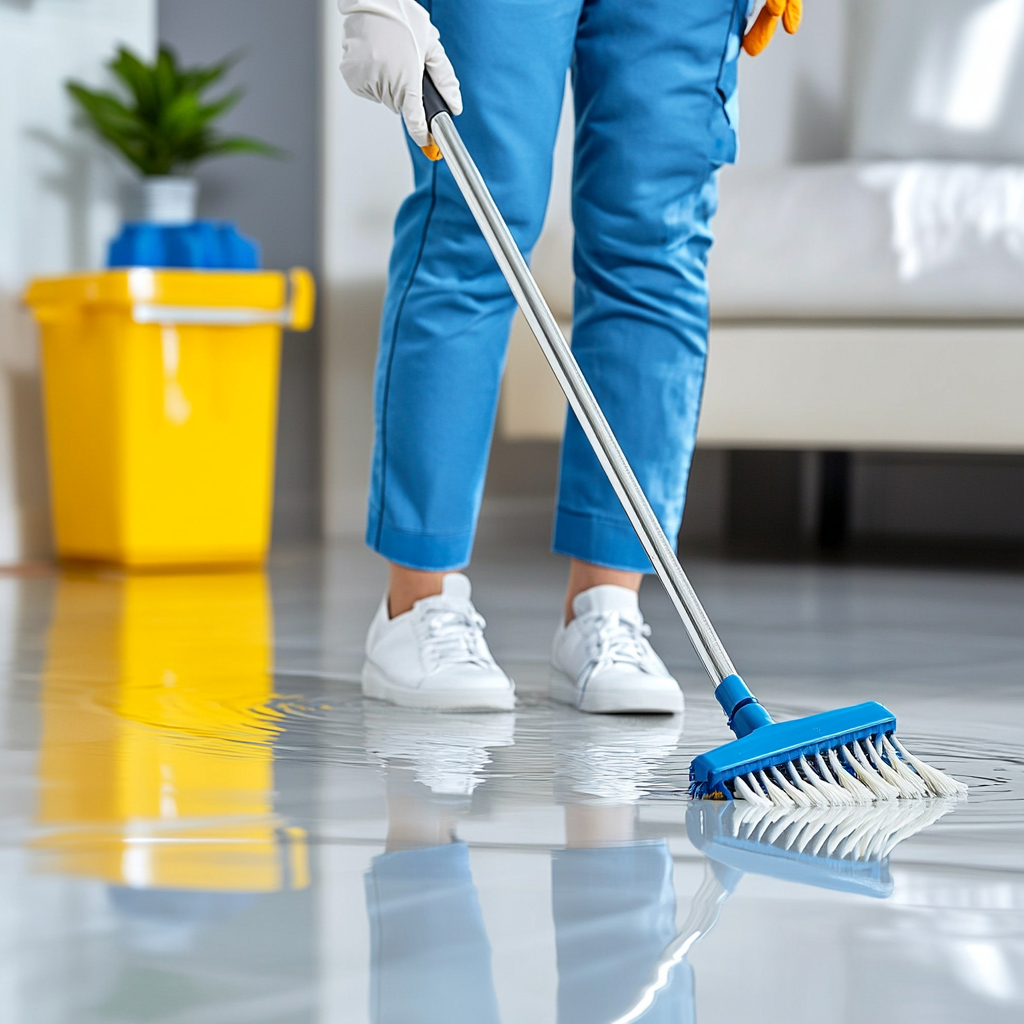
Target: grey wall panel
point(274, 201)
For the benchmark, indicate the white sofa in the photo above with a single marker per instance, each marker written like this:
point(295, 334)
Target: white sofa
point(869, 306)
point(854, 305)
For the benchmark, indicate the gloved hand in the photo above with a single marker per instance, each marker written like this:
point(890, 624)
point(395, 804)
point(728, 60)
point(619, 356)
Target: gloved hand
point(759, 35)
point(388, 43)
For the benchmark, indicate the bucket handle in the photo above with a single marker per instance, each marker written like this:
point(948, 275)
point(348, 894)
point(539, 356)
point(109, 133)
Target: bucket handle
point(296, 314)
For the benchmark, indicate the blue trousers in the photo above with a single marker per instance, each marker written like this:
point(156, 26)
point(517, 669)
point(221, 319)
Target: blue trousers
point(654, 86)
point(614, 914)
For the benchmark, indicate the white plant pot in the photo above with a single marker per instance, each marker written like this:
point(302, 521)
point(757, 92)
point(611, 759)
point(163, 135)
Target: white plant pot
point(169, 200)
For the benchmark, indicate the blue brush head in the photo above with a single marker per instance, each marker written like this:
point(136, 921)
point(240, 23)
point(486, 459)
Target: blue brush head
point(763, 742)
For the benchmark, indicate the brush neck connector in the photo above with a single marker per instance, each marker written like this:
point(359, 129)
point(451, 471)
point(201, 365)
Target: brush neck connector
point(741, 707)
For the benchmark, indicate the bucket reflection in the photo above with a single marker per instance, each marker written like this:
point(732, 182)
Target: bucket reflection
point(156, 765)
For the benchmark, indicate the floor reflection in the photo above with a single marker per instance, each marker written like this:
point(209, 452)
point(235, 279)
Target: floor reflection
point(612, 897)
point(205, 823)
point(156, 777)
point(156, 766)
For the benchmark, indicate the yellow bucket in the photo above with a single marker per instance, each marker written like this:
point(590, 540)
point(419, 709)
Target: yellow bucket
point(160, 388)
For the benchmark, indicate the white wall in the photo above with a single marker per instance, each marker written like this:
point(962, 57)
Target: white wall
point(794, 97)
point(366, 174)
point(58, 208)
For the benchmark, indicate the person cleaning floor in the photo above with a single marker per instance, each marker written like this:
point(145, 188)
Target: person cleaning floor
point(654, 88)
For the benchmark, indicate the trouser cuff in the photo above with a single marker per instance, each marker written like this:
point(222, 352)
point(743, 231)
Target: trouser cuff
point(427, 552)
point(598, 540)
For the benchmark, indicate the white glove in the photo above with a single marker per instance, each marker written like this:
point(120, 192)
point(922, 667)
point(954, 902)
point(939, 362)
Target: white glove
point(388, 43)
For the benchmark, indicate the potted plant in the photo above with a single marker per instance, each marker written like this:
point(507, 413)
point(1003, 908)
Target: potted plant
point(165, 126)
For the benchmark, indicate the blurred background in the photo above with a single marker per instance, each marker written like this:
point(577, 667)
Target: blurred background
point(864, 387)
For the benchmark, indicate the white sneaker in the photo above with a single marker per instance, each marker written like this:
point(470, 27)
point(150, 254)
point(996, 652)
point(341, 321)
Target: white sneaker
point(447, 752)
point(435, 656)
point(602, 662)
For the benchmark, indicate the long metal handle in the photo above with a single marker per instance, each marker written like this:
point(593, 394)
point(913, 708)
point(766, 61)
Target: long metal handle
point(559, 356)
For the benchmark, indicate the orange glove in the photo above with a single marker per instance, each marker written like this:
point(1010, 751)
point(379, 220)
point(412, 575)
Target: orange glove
point(759, 35)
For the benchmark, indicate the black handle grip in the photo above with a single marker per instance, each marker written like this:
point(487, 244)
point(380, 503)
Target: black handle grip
point(433, 104)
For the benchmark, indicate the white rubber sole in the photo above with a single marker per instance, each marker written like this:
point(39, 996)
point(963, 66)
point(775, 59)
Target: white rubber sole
point(634, 700)
point(378, 685)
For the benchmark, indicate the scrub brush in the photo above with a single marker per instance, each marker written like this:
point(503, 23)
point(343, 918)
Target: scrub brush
point(835, 759)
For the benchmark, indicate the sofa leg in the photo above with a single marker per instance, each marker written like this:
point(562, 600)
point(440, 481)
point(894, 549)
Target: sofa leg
point(764, 502)
point(834, 508)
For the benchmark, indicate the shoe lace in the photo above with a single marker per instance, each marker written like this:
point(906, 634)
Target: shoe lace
point(456, 636)
point(618, 639)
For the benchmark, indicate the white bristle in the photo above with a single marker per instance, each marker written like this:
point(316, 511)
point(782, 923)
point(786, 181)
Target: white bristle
point(794, 777)
point(856, 789)
point(800, 799)
point(833, 795)
point(881, 770)
point(937, 782)
point(859, 763)
point(749, 792)
point(873, 758)
point(805, 785)
point(826, 772)
point(887, 754)
point(854, 796)
point(754, 782)
point(778, 796)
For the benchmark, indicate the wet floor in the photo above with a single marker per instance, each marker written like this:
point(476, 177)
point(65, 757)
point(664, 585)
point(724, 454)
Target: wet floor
point(203, 822)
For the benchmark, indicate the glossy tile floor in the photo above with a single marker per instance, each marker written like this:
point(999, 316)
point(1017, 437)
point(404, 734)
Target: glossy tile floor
point(203, 822)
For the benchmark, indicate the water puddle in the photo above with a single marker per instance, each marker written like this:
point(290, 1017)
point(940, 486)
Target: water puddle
point(192, 838)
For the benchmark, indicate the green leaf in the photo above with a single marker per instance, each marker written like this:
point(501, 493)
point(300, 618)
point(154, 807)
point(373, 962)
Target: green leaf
point(181, 117)
point(243, 144)
point(137, 77)
point(200, 79)
point(165, 76)
point(164, 124)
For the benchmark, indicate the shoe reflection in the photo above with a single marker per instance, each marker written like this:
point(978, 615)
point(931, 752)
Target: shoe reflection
point(156, 760)
point(613, 898)
point(430, 955)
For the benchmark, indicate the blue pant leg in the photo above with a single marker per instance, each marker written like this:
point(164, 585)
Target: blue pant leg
point(615, 915)
point(654, 88)
point(448, 310)
point(430, 959)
